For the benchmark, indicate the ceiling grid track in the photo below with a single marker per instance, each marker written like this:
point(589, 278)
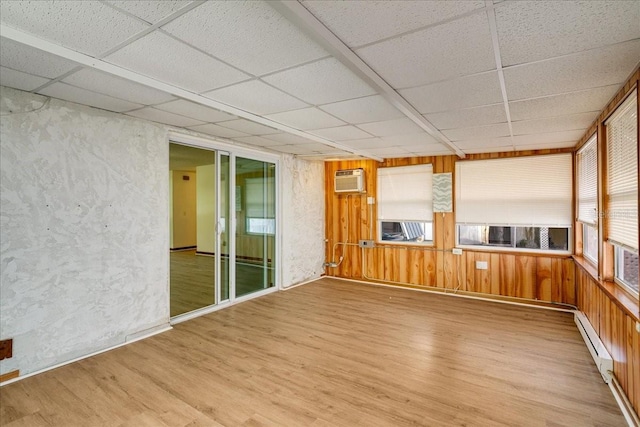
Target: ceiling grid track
point(491, 15)
point(296, 13)
point(99, 64)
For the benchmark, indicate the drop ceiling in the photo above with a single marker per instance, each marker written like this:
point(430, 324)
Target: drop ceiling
point(333, 79)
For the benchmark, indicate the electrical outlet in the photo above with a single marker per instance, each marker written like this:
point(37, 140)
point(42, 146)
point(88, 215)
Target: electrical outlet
point(370, 200)
point(366, 243)
point(456, 251)
point(638, 326)
point(6, 349)
point(482, 265)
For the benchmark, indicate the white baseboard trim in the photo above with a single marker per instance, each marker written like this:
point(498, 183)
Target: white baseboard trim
point(623, 402)
point(128, 340)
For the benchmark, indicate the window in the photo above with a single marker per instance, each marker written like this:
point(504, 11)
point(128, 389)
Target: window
point(587, 173)
point(622, 191)
point(261, 207)
point(520, 203)
point(405, 212)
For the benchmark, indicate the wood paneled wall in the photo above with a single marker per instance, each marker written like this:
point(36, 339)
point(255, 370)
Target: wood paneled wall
point(617, 330)
point(350, 218)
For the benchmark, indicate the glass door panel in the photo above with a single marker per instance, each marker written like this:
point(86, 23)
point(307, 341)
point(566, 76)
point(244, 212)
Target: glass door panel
point(223, 225)
point(255, 225)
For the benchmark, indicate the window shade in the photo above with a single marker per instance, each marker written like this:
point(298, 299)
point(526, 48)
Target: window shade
point(532, 190)
point(622, 174)
point(260, 197)
point(404, 193)
point(587, 165)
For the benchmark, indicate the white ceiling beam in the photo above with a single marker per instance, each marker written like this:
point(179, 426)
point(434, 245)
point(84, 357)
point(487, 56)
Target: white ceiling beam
point(297, 14)
point(99, 64)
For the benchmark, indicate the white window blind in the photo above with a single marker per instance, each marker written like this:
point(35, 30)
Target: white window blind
point(405, 193)
point(587, 165)
point(532, 190)
point(622, 174)
point(260, 197)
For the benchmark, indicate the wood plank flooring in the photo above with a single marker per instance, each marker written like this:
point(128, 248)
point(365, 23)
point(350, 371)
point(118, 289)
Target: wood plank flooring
point(333, 353)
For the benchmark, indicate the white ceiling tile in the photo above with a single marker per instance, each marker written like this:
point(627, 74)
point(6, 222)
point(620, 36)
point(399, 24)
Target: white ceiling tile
point(306, 119)
point(341, 133)
point(363, 110)
point(428, 150)
point(549, 137)
point(256, 97)
point(559, 105)
point(443, 52)
point(249, 127)
point(166, 59)
point(586, 70)
point(543, 146)
point(468, 117)
point(85, 97)
point(20, 80)
point(32, 61)
point(89, 27)
point(250, 35)
point(495, 149)
point(215, 130)
point(195, 111)
point(360, 22)
point(465, 92)
point(555, 124)
point(402, 126)
point(294, 149)
point(480, 143)
point(389, 152)
point(107, 84)
point(487, 131)
point(151, 11)
point(364, 143)
point(288, 138)
point(409, 139)
point(155, 115)
point(258, 141)
point(321, 82)
point(530, 31)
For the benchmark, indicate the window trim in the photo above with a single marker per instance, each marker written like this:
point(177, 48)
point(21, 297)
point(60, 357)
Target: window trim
point(585, 255)
point(621, 283)
point(424, 243)
point(506, 249)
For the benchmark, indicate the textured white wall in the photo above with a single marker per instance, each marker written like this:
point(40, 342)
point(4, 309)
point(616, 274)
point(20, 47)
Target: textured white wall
point(84, 230)
point(303, 231)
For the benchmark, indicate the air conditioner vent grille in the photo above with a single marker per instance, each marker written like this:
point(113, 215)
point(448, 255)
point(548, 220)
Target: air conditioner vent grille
point(349, 181)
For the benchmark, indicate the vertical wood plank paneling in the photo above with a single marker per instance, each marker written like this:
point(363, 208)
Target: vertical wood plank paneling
point(508, 275)
point(543, 279)
point(526, 276)
point(495, 274)
point(568, 285)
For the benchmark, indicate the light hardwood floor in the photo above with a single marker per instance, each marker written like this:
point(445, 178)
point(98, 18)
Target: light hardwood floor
point(334, 353)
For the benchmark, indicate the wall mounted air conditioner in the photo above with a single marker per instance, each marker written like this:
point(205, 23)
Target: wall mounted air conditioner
point(349, 181)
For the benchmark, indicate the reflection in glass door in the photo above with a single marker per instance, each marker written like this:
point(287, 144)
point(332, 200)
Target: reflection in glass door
point(255, 187)
point(223, 225)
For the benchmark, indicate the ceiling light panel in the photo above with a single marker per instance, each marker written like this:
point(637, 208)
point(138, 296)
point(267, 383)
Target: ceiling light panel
point(363, 110)
point(32, 61)
point(610, 65)
point(215, 130)
point(341, 133)
point(468, 117)
point(168, 60)
point(321, 82)
point(488, 131)
point(530, 31)
point(20, 80)
point(361, 22)
point(443, 52)
point(558, 105)
point(555, 124)
point(89, 27)
point(402, 126)
point(249, 127)
point(250, 35)
point(151, 11)
point(256, 97)
point(155, 115)
point(306, 119)
point(107, 84)
point(195, 111)
point(85, 97)
point(465, 92)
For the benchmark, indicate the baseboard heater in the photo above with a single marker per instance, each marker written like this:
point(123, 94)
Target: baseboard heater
point(600, 355)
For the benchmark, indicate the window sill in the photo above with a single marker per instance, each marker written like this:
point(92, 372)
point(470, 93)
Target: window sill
point(515, 251)
point(622, 299)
